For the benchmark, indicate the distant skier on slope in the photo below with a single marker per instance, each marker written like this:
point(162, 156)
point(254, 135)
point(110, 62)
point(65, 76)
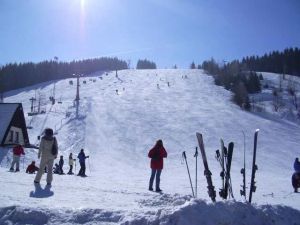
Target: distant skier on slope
point(47, 152)
point(17, 152)
point(296, 175)
point(157, 153)
point(81, 156)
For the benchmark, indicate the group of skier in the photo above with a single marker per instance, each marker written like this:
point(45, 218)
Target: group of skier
point(48, 151)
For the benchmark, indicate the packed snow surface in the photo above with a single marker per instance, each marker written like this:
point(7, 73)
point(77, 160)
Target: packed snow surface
point(118, 120)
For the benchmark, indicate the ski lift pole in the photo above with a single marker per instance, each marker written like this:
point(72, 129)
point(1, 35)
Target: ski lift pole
point(184, 156)
point(196, 156)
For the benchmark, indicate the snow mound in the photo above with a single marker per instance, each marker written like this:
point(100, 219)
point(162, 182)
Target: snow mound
point(194, 212)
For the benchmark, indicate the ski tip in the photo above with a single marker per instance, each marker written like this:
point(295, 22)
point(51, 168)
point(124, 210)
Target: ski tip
point(198, 134)
point(256, 130)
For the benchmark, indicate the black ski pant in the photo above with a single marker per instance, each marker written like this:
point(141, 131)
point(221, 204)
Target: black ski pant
point(82, 169)
point(155, 173)
point(71, 169)
point(61, 171)
point(296, 180)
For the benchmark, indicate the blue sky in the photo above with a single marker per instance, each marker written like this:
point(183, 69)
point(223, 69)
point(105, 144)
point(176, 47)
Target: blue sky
point(166, 31)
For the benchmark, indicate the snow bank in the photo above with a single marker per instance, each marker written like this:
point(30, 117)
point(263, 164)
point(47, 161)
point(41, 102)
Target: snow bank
point(195, 212)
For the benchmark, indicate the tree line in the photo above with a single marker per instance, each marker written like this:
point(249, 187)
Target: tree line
point(19, 75)
point(145, 64)
point(285, 62)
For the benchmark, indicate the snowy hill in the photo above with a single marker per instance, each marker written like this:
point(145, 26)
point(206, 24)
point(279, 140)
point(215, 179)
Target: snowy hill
point(117, 128)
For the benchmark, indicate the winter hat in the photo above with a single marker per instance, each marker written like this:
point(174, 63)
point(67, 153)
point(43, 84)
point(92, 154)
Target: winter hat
point(49, 132)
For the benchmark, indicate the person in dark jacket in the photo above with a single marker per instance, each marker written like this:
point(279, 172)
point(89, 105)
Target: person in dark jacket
point(32, 168)
point(81, 157)
point(56, 169)
point(61, 165)
point(17, 152)
point(157, 153)
point(296, 175)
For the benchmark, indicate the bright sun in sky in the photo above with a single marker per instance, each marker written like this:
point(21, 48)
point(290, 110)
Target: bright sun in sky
point(82, 3)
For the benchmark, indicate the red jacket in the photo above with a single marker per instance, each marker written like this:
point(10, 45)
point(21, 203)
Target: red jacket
point(157, 158)
point(32, 168)
point(18, 150)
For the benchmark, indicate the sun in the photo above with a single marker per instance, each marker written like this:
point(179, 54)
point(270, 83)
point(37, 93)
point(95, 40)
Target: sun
point(82, 3)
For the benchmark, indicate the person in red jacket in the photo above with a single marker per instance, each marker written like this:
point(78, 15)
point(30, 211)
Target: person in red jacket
point(157, 155)
point(17, 152)
point(32, 168)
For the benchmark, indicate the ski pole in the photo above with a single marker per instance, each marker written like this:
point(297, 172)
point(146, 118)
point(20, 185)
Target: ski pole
point(196, 156)
point(89, 164)
point(184, 156)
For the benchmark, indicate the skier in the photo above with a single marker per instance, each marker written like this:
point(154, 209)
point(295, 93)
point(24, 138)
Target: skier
point(81, 156)
point(56, 169)
point(71, 163)
point(32, 168)
point(17, 152)
point(296, 175)
point(157, 153)
point(61, 165)
point(47, 152)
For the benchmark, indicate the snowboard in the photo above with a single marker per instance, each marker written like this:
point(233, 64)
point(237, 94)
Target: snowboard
point(207, 173)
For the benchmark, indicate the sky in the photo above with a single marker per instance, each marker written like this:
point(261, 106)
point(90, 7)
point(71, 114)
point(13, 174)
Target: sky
point(167, 32)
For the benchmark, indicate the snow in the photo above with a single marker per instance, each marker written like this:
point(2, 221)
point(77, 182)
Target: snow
point(117, 130)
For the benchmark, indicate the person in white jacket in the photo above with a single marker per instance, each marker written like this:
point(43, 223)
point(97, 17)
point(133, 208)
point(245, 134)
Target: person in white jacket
point(71, 164)
point(47, 153)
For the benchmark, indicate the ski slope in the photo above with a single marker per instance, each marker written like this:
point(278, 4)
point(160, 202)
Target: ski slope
point(118, 128)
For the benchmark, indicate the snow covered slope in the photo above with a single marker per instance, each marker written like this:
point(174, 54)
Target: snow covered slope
point(117, 128)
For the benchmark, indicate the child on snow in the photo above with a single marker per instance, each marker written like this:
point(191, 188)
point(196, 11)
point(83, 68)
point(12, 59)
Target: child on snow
point(296, 175)
point(56, 169)
point(32, 168)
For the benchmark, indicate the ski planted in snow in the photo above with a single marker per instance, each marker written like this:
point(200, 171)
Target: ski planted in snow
point(228, 160)
point(243, 171)
point(220, 156)
point(225, 159)
point(207, 173)
point(254, 167)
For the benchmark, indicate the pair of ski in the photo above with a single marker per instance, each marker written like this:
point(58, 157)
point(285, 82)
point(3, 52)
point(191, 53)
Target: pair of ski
point(254, 169)
point(207, 173)
point(225, 158)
